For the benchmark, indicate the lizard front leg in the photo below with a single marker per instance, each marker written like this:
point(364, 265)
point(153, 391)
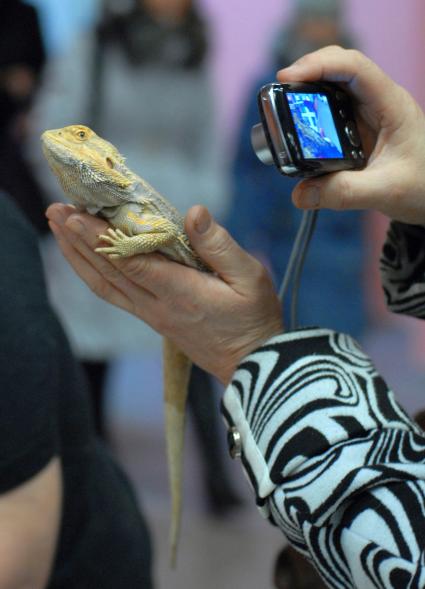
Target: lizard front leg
point(144, 236)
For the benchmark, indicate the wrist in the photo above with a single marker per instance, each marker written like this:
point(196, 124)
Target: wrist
point(227, 370)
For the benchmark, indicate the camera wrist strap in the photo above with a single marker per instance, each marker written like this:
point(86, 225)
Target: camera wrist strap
point(296, 263)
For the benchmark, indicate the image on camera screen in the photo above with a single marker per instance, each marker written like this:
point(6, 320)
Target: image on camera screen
point(315, 125)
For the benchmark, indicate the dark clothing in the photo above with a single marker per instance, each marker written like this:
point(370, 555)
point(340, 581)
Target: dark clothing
point(96, 374)
point(44, 413)
point(145, 40)
point(21, 46)
point(17, 180)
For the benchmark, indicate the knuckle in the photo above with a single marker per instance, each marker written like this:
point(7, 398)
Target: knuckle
point(334, 48)
point(260, 275)
point(144, 267)
point(220, 243)
point(342, 194)
point(396, 191)
point(109, 273)
point(361, 61)
point(356, 55)
point(136, 267)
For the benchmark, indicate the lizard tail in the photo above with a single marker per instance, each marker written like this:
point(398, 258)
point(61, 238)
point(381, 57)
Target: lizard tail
point(176, 381)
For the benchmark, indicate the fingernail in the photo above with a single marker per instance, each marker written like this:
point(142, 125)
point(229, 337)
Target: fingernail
point(291, 69)
point(310, 197)
point(203, 221)
point(56, 215)
point(75, 225)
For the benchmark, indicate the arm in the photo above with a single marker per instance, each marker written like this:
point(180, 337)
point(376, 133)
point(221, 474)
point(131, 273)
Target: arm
point(30, 477)
point(323, 440)
point(29, 525)
point(333, 459)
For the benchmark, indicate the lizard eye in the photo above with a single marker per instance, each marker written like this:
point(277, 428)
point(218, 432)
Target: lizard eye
point(81, 134)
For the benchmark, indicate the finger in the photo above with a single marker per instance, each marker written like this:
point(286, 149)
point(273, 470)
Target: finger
point(78, 231)
point(59, 212)
point(62, 214)
point(86, 271)
point(219, 250)
point(367, 82)
point(156, 275)
point(340, 191)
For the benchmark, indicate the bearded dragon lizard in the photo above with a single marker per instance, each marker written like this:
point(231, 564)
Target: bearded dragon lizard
point(93, 175)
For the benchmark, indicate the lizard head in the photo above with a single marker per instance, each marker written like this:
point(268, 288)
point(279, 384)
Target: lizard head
point(90, 170)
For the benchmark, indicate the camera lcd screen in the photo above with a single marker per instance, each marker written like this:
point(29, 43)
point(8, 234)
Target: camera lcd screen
point(315, 125)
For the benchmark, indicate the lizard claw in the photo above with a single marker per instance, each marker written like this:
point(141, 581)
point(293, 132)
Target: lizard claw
point(111, 251)
point(107, 238)
point(117, 246)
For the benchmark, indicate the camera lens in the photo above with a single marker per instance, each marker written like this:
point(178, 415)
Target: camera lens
point(260, 145)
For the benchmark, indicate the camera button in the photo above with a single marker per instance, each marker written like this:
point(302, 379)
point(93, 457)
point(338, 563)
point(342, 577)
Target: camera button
point(354, 155)
point(361, 154)
point(291, 139)
point(352, 134)
point(342, 113)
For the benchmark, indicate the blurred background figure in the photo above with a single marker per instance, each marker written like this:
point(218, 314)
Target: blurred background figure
point(147, 90)
point(264, 220)
point(151, 95)
point(22, 59)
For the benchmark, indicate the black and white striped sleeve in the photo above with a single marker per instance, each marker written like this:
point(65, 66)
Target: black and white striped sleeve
point(334, 460)
point(403, 269)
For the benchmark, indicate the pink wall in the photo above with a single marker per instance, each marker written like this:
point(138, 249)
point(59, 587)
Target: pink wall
point(241, 35)
point(392, 34)
point(390, 31)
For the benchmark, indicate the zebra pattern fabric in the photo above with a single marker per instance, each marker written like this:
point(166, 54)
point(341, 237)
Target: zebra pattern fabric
point(403, 269)
point(334, 460)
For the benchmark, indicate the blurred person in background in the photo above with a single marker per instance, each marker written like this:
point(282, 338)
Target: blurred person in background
point(147, 91)
point(22, 59)
point(262, 216)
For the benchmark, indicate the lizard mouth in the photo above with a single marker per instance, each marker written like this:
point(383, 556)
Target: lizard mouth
point(55, 148)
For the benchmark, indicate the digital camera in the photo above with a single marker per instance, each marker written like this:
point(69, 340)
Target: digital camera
point(307, 129)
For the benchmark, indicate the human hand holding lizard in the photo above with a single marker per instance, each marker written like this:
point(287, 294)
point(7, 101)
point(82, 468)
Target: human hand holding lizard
point(215, 320)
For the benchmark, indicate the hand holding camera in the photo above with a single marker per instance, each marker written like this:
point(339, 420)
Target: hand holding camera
point(392, 129)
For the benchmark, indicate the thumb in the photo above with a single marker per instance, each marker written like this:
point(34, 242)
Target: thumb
point(218, 249)
point(340, 191)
